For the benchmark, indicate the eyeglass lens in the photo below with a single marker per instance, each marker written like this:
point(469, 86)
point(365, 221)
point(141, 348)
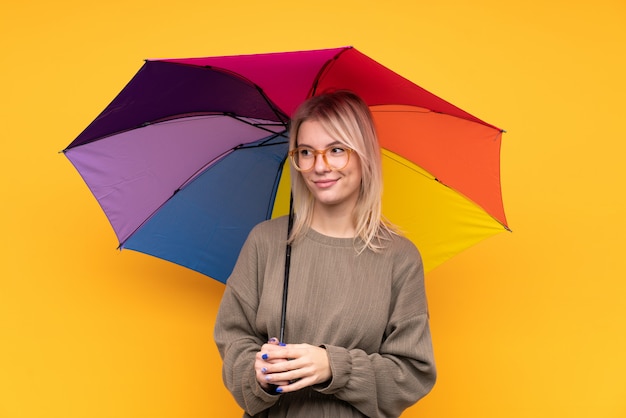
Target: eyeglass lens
point(335, 158)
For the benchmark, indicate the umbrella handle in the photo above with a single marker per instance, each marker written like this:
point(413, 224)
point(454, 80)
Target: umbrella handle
point(283, 313)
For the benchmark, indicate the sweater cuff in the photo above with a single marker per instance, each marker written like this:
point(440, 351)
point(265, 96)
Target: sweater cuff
point(340, 366)
point(257, 399)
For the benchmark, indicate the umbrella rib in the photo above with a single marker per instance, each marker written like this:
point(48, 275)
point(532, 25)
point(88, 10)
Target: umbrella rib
point(432, 177)
point(185, 183)
point(391, 155)
point(280, 115)
point(284, 119)
point(323, 70)
point(260, 126)
point(173, 118)
point(267, 142)
point(264, 143)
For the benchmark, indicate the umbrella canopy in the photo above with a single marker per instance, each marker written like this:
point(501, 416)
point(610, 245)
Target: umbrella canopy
point(191, 155)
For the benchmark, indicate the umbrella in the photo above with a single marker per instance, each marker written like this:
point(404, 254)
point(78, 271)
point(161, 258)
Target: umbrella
point(192, 153)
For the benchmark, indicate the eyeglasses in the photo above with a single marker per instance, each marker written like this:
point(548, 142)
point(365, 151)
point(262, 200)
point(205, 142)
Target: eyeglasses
point(335, 157)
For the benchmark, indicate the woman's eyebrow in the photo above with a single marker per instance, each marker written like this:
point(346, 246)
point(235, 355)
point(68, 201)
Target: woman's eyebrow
point(327, 145)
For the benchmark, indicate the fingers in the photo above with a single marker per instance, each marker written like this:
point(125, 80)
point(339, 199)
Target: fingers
point(272, 345)
point(263, 361)
point(293, 366)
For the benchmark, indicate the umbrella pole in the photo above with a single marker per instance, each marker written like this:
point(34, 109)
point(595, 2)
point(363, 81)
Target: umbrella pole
point(283, 313)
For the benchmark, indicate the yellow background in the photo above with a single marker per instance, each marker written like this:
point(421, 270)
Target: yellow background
point(526, 324)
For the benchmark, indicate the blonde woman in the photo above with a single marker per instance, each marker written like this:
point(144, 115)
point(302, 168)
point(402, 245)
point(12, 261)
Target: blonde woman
point(357, 339)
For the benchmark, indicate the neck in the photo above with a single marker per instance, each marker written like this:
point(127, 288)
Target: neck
point(334, 222)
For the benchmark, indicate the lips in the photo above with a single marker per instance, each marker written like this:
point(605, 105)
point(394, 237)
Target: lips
point(323, 184)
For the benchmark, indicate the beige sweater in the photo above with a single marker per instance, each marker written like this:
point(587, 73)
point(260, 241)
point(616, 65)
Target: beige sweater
point(369, 311)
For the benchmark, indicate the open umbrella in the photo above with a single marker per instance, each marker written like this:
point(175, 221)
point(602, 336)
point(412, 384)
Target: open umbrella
point(191, 155)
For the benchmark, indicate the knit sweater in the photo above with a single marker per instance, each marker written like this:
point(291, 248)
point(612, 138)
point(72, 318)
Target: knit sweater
point(367, 310)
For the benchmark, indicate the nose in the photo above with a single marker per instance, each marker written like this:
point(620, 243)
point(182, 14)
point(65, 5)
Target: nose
point(320, 163)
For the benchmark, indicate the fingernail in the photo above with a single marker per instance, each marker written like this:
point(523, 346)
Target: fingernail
point(282, 344)
point(263, 370)
point(279, 390)
point(264, 356)
point(273, 340)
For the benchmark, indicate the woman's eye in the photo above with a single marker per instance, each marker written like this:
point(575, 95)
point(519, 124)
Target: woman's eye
point(337, 150)
point(305, 152)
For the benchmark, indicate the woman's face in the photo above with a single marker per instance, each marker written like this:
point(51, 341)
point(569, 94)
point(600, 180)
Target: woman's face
point(329, 188)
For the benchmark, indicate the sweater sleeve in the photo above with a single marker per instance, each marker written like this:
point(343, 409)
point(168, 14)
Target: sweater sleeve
point(385, 383)
point(236, 337)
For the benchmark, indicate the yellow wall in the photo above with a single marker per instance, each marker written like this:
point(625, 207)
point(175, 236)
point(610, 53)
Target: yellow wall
point(527, 324)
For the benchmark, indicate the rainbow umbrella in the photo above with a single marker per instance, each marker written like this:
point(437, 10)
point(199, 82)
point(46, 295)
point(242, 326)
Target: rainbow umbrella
point(192, 154)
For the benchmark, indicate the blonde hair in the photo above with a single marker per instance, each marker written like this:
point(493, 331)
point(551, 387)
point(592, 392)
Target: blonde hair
point(346, 118)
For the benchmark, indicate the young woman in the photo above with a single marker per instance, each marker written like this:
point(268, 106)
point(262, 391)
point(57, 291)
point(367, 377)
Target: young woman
point(357, 338)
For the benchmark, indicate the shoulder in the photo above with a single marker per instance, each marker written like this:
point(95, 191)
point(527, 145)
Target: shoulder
point(403, 247)
point(406, 260)
point(270, 230)
point(407, 270)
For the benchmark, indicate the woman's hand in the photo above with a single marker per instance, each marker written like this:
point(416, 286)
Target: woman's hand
point(262, 363)
point(291, 367)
